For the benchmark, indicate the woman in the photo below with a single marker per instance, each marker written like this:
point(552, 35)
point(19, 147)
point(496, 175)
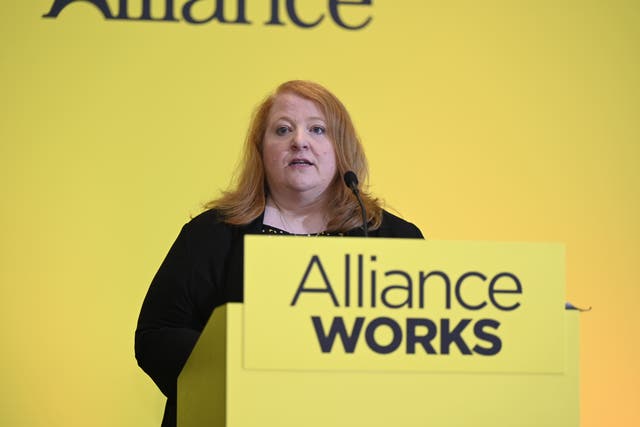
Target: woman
point(300, 143)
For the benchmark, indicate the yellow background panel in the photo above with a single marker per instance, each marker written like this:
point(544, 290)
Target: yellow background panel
point(499, 120)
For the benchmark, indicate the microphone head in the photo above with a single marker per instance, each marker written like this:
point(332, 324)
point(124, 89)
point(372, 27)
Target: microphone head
point(351, 180)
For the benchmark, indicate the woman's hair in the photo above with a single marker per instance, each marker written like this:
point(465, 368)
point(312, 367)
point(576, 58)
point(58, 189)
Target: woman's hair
point(247, 201)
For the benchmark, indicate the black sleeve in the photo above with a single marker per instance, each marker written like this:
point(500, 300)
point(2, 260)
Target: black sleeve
point(202, 270)
point(167, 330)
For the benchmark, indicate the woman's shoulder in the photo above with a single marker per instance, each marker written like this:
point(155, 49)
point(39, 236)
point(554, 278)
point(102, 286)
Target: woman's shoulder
point(394, 226)
point(208, 218)
point(212, 222)
point(205, 230)
point(206, 222)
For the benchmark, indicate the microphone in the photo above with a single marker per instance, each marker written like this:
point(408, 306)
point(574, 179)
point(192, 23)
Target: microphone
point(569, 306)
point(351, 180)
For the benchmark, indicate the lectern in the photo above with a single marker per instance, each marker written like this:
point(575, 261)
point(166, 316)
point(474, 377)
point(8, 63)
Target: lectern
point(388, 332)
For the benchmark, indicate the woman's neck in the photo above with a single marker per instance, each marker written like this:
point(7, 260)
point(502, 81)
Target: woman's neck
point(296, 216)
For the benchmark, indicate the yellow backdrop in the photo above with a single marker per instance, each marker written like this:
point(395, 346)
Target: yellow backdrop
point(498, 120)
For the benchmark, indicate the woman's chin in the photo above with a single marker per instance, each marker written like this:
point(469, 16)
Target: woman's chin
point(307, 188)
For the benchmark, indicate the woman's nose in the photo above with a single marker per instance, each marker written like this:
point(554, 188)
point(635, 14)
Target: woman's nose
point(300, 140)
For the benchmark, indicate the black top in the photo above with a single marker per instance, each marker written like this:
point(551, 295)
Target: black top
point(203, 269)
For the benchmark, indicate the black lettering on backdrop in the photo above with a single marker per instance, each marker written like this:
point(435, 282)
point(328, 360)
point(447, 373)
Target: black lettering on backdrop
point(493, 290)
point(479, 330)
point(407, 289)
point(293, 15)
point(337, 328)
point(394, 289)
point(425, 340)
point(459, 293)
point(217, 14)
point(335, 14)
point(218, 8)
point(315, 261)
point(416, 331)
point(146, 11)
point(58, 5)
point(370, 335)
point(448, 336)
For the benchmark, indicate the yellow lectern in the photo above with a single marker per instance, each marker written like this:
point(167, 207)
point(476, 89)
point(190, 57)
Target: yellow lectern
point(388, 332)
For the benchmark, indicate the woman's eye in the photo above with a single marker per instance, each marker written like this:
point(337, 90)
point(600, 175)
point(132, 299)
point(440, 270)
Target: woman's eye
point(282, 130)
point(318, 130)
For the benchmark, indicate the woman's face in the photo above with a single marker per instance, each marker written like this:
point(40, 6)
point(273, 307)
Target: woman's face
point(299, 158)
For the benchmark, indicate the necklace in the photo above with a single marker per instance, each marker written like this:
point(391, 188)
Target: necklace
point(268, 229)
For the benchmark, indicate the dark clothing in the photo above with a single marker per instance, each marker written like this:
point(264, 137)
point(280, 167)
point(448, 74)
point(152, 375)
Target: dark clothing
point(203, 269)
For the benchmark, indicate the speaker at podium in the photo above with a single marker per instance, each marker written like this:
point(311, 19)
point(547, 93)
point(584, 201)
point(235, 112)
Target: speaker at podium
point(379, 332)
